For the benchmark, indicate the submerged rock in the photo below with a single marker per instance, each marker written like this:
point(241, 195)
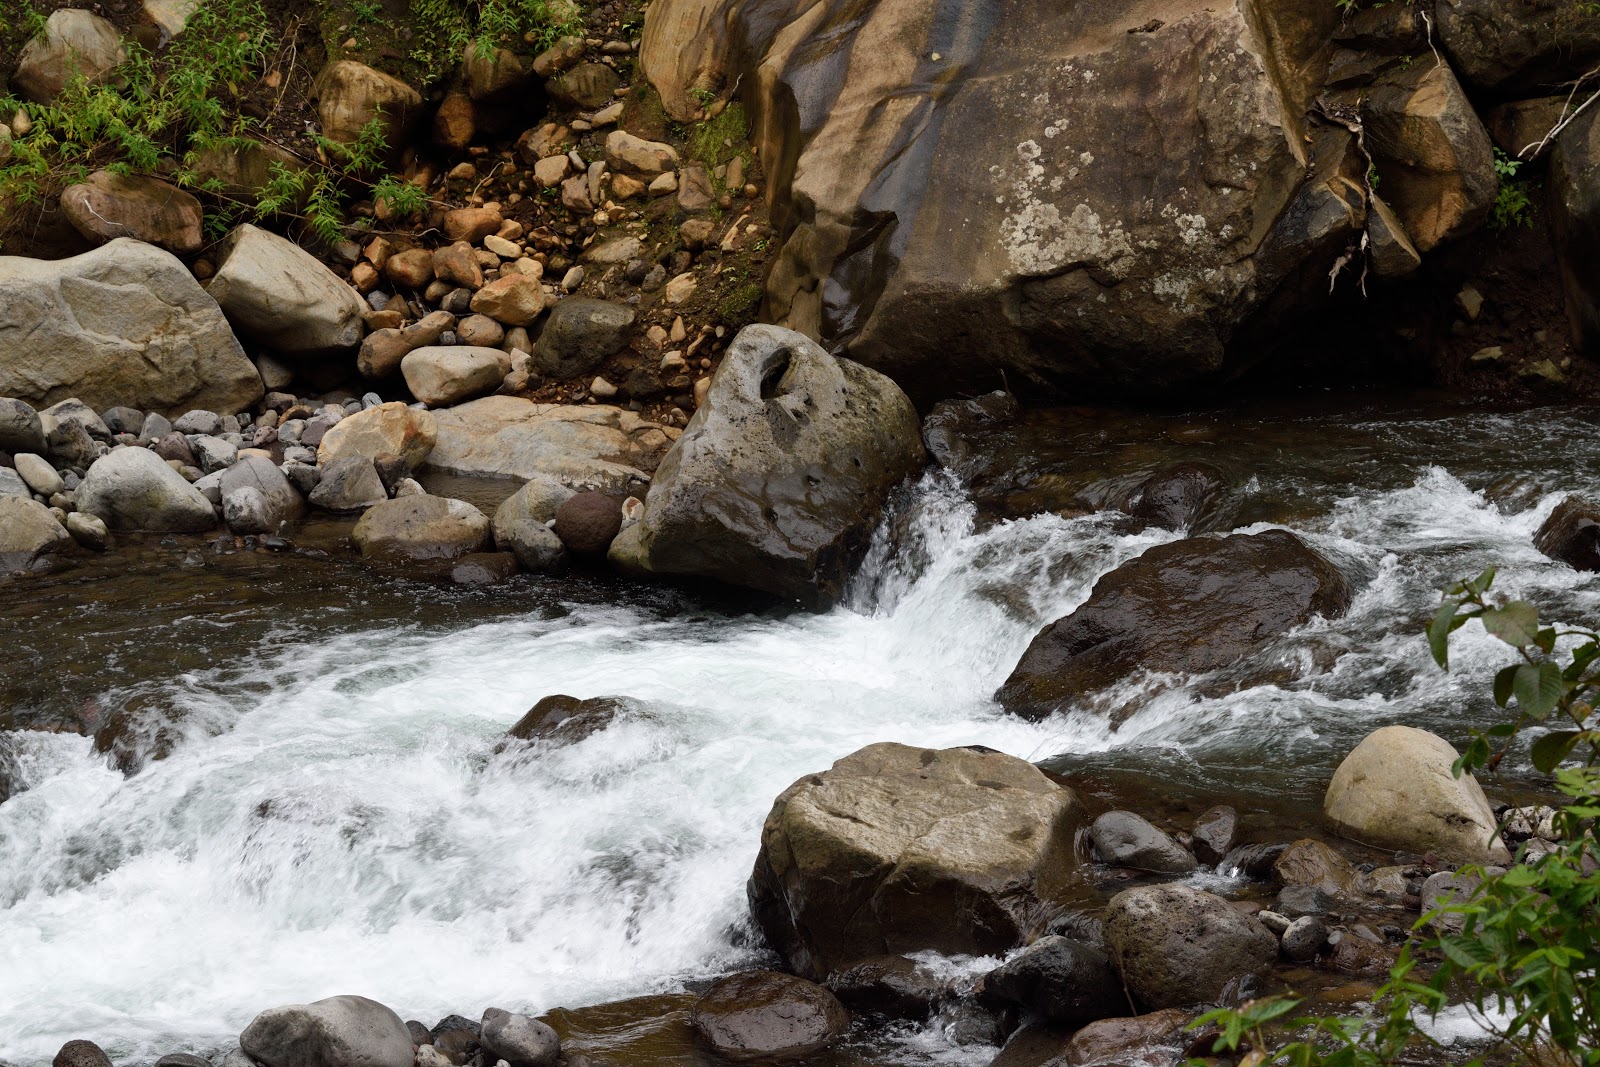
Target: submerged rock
point(1124, 839)
point(1188, 606)
point(898, 849)
point(780, 475)
point(342, 1031)
point(894, 986)
point(1177, 946)
point(763, 1015)
point(567, 719)
point(1396, 790)
point(1178, 497)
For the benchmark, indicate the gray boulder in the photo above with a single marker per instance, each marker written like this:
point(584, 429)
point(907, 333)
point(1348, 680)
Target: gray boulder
point(245, 511)
point(521, 524)
point(422, 527)
point(197, 422)
point(336, 1032)
point(581, 334)
point(69, 445)
point(123, 324)
point(281, 500)
point(1059, 979)
point(276, 291)
point(349, 483)
point(779, 477)
point(11, 484)
point(27, 531)
point(88, 530)
point(20, 430)
point(214, 453)
point(1176, 946)
point(1124, 839)
point(441, 375)
point(519, 1040)
point(74, 410)
point(134, 489)
point(122, 419)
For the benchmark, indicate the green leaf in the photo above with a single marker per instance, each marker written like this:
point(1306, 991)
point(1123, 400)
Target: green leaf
point(1480, 585)
point(1516, 623)
point(1504, 679)
point(1538, 688)
point(1552, 748)
point(1439, 632)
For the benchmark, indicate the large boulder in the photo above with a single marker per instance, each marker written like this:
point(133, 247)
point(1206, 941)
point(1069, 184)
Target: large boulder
point(421, 527)
point(123, 324)
point(75, 44)
point(969, 203)
point(20, 428)
point(580, 335)
point(392, 428)
point(336, 1032)
point(1512, 46)
point(763, 1015)
point(280, 295)
point(1432, 154)
point(442, 375)
point(1176, 946)
point(1574, 198)
point(585, 446)
point(1188, 606)
point(350, 95)
point(135, 489)
point(105, 206)
point(1396, 790)
point(27, 531)
point(1571, 534)
point(899, 849)
point(1059, 979)
point(779, 477)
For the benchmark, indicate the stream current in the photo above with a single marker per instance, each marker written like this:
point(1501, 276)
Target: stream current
point(335, 819)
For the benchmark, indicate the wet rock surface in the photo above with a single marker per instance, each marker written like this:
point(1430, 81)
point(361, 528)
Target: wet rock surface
point(344, 1031)
point(1176, 946)
point(763, 1015)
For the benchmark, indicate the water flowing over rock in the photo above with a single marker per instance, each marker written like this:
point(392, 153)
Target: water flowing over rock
point(1396, 790)
point(123, 324)
point(281, 295)
point(958, 198)
point(134, 489)
point(1189, 606)
point(899, 849)
point(762, 1015)
point(1177, 946)
point(777, 480)
point(337, 1032)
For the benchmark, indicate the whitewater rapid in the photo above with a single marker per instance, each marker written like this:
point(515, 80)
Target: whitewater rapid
point(337, 821)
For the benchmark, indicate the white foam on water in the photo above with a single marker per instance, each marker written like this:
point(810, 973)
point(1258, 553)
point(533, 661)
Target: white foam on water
point(351, 830)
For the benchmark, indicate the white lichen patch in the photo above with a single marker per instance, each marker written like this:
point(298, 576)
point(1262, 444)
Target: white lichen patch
point(1191, 229)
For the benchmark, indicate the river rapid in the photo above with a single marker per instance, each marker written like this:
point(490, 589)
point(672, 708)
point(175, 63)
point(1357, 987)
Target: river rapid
point(335, 818)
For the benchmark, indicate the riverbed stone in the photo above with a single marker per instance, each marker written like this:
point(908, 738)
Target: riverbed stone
point(345, 1031)
point(1179, 496)
point(512, 299)
point(588, 522)
point(20, 428)
point(1177, 946)
point(124, 324)
point(1215, 833)
point(347, 484)
point(1510, 50)
point(1159, 1037)
point(421, 528)
point(245, 511)
point(1311, 863)
point(1396, 790)
point(382, 350)
point(780, 476)
point(350, 95)
point(897, 987)
point(585, 446)
point(281, 500)
point(764, 1015)
point(88, 530)
point(1124, 839)
point(27, 532)
point(898, 849)
point(1060, 979)
point(441, 376)
point(1304, 939)
point(38, 473)
point(521, 524)
point(81, 1053)
point(1571, 534)
point(392, 428)
point(518, 1040)
point(282, 295)
point(134, 489)
point(214, 453)
point(1161, 612)
point(581, 334)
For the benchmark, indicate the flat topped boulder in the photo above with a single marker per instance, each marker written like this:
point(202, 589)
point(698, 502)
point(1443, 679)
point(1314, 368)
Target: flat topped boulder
point(764, 1015)
point(123, 324)
point(421, 527)
point(898, 849)
point(1195, 605)
point(336, 1032)
point(1177, 946)
point(590, 446)
point(1396, 790)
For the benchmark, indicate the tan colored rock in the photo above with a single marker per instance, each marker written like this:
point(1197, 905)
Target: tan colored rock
point(411, 269)
point(497, 74)
point(458, 264)
point(27, 531)
point(105, 206)
point(453, 124)
point(1396, 790)
point(575, 195)
point(616, 250)
point(551, 171)
point(470, 224)
point(75, 44)
point(283, 296)
point(1433, 156)
point(559, 57)
point(624, 187)
point(680, 288)
point(629, 154)
point(501, 247)
point(442, 376)
point(382, 350)
point(170, 16)
point(421, 528)
point(514, 299)
point(480, 331)
point(394, 428)
point(585, 446)
point(352, 94)
point(694, 189)
point(898, 849)
point(242, 171)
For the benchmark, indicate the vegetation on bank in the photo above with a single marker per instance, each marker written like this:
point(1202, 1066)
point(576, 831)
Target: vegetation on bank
point(223, 84)
point(1523, 951)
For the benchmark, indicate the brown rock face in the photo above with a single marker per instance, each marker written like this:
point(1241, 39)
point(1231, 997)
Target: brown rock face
point(1188, 606)
point(989, 192)
point(566, 719)
point(763, 1015)
point(588, 523)
point(898, 849)
point(105, 206)
point(352, 94)
point(75, 44)
point(1514, 45)
point(1572, 534)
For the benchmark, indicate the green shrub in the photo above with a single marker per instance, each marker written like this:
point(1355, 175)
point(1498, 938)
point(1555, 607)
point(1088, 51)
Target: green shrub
point(1512, 205)
point(444, 28)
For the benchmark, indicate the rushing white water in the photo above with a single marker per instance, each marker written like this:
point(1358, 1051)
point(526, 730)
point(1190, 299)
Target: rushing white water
point(337, 821)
